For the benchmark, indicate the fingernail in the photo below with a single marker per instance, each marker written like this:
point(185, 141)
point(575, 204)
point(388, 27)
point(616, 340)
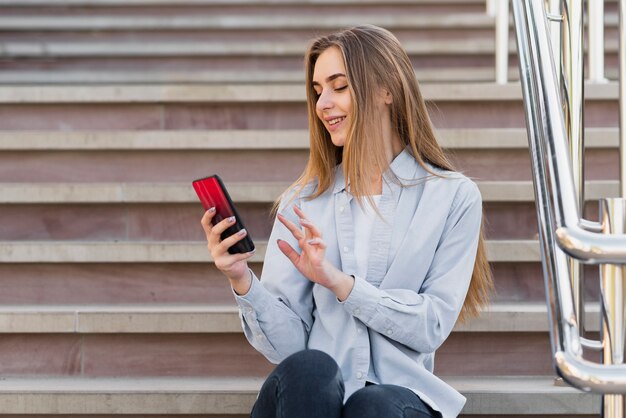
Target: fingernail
point(231, 219)
point(311, 241)
point(211, 210)
point(242, 232)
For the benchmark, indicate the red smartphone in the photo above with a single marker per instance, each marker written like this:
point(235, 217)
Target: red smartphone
point(212, 193)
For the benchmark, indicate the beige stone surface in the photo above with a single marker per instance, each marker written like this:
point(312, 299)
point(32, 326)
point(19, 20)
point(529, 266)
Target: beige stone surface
point(193, 318)
point(254, 93)
point(259, 22)
point(184, 252)
point(267, 139)
point(492, 191)
point(492, 395)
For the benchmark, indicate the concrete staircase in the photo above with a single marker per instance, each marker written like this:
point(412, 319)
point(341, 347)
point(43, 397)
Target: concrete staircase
point(109, 304)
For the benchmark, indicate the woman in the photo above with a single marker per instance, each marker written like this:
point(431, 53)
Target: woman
point(374, 249)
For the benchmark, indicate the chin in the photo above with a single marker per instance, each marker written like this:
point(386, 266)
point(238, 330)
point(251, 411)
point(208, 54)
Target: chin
point(338, 142)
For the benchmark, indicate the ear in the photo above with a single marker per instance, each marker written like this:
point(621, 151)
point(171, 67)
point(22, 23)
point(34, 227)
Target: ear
point(388, 98)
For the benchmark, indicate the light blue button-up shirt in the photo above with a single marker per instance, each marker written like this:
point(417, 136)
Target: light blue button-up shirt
point(419, 268)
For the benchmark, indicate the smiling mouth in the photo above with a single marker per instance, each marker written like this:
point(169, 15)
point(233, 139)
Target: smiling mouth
point(336, 121)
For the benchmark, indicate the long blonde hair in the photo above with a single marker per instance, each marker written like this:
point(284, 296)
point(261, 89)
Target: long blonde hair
point(374, 57)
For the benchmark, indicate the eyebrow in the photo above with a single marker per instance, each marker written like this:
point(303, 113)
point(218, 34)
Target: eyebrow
point(329, 78)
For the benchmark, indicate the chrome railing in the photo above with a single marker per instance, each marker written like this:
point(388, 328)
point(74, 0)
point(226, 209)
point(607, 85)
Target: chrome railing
point(563, 234)
point(499, 9)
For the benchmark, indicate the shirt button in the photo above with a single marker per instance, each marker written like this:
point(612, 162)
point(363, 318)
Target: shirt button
point(359, 375)
point(358, 331)
point(342, 208)
point(346, 249)
point(389, 331)
point(357, 311)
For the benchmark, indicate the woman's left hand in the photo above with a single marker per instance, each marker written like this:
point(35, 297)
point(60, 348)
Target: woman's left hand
point(312, 261)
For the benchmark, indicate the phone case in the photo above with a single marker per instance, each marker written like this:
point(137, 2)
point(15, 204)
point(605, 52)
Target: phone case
point(212, 193)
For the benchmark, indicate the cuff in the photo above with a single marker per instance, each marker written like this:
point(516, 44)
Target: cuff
point(257, 300)
point(362, 300)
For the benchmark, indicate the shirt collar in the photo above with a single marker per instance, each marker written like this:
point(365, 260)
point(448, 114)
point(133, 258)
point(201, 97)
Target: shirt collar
point(404, 166)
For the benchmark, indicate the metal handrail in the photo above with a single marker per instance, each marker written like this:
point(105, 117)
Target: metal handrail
point(596, 38)
point(573, 238)
point(557, 207)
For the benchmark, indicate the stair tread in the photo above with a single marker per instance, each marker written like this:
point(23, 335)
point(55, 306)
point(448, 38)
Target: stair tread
point(258, 192)
point(263, 93)
point(173, 395)
point(76, 76)
point(188, 252)
point(259, 21)
point(285, 139)
point(192, 318)
point(29, 3)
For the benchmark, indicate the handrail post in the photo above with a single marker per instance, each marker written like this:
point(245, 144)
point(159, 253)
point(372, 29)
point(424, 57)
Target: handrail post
point(595, 15)
point(502, 41)
point(573, 91)
point(622, 96)
point(554, 7)
point(613, 296)
point(491, 6)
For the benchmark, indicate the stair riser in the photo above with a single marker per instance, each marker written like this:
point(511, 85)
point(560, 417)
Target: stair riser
point(232, 35)
point(230, 355)
point(247, 10)
point(493, 114)
point(198, 283)
point(242, 63)
point(181, 222)
point(244, 166)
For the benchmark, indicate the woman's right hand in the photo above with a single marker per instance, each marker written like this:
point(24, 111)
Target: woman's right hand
point(234, 266)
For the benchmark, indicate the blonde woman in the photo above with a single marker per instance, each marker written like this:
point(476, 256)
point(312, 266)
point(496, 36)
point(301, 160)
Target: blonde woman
point(375, 253)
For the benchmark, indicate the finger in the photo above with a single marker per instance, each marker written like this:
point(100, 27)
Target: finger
point(288, 250)
point(315, 232)
point(232, 240)
point(318, 242)
point(295, 231)
point(227, 260)
point(304, 221)
point(216, 231)
point(299, 212)
point(206, 221)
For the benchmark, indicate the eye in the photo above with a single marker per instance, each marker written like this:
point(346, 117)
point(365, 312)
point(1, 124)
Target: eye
point(341, 88)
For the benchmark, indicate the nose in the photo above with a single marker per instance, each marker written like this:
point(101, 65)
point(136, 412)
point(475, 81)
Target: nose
point(324, 102)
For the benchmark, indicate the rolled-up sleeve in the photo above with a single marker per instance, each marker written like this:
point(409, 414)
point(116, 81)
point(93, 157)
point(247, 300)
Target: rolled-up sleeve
point(423, 319)
point(276, 313)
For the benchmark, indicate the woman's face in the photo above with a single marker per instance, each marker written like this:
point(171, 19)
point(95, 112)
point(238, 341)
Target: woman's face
point(334, 103)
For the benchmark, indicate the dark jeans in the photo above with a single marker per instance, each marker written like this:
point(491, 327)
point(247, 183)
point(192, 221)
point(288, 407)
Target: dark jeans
point(308, 384)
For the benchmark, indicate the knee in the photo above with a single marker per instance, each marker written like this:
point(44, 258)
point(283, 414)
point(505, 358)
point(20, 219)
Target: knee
point(368, 402)
point(310, 363)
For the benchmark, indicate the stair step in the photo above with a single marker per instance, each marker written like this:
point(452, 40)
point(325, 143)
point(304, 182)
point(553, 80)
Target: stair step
point(252, 192)
point(46, 76)
point(159, 318)
point(286, 21)
point(135, 3)
point(489, 395)
point(53, 48)
point(185, 252)
point(240, 93)
point(239, 22)
point(459, 139)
